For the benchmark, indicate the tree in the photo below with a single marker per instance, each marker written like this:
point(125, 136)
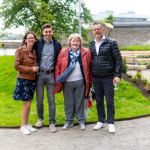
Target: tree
point(110, 19)
point(108, 22)
point(32, 14)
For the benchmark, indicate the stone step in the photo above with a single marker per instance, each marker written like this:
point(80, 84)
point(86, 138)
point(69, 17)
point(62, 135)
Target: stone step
point(136, 67)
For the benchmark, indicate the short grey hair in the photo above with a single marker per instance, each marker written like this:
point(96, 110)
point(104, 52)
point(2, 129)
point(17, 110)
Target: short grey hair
point(74, 36)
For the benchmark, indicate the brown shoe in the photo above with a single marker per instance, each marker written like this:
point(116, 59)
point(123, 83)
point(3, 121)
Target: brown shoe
point(53, 128)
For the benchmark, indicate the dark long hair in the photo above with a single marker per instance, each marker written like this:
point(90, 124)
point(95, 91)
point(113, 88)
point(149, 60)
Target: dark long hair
point(25, 37)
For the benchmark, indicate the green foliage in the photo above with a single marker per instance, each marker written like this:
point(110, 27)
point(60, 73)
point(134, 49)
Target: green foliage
point(125, 68)
point(86, 14)
point(33, 14)
point(3, 34)
point(135, 48)
point(147, 86)
point(145, 81)
point(138, 76)
point(143, 56)
point(1, 44)
point(148, 66)
point(129, 101)
point(110, 19)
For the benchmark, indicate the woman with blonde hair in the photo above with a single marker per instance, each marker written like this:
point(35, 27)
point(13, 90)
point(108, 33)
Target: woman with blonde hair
point(73, 76)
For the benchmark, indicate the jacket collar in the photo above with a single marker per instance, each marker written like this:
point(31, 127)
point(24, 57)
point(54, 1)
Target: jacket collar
point(66, 51)
point(102, 40)
point(24, 48)
point(53, 39)
point(106, 40)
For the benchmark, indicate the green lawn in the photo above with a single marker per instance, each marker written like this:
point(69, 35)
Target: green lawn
point(135, 48)
point(129, 101)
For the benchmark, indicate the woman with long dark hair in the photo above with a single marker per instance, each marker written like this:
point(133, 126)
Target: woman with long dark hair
point(25, 64)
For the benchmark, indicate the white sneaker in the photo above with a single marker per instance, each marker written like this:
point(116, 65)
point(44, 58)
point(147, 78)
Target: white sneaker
point(25, 130)
point(99, 125)
point(39, 123)
point(111, 128)
point(82, 126)
point(30, 128)
point(53, 128)
point(67, 125)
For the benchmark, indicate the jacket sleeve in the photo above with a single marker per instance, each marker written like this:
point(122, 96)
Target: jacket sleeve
point(18, 63)
point(90, 61)
point(58, 86)
point(117, 59)
point(58, 65)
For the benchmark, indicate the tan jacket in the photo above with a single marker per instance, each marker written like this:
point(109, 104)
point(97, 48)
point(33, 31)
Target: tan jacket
point(24, 63)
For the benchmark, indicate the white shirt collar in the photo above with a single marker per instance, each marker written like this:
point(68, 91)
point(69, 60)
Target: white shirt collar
point(98, 44)
point(101, 41)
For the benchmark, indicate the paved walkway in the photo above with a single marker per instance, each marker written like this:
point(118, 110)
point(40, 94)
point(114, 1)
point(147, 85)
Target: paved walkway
point(130, 135)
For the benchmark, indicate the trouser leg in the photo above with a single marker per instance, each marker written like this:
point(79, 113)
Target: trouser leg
point(99, 94)
point(51, 98)
point(40, 96)
point(109, 94)
point(79, 100)
point(68, 101)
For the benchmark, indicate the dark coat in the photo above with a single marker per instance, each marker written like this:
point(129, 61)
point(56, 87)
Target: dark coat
point(108, 62)
point(39, 48)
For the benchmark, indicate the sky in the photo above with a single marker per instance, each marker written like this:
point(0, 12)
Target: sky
point(140, 7)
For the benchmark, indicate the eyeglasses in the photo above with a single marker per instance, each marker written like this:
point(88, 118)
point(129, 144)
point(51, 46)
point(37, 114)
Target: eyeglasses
point(30, 38)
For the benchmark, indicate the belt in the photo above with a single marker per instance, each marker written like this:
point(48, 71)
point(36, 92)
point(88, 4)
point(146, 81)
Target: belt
point(46, 71)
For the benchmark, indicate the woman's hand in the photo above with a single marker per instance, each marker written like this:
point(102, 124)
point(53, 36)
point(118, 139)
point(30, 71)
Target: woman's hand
point(35, 69)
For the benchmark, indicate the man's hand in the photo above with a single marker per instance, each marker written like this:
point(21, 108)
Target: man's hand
point(116, 80)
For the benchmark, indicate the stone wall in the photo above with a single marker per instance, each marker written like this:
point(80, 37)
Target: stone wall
point(131, 35)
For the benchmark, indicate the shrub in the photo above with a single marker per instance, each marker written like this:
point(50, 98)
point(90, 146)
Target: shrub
point(145, 81)
point(147, 87)
point(138, 76)
point(143, 56)
point(1, 44)
point(148, 66)
point(125, 68)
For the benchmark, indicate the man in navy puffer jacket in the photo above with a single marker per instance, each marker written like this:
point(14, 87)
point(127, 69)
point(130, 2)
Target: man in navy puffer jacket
point(106, 72)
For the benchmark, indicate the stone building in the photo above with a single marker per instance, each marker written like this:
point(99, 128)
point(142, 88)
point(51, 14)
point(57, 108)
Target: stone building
point(129, 28)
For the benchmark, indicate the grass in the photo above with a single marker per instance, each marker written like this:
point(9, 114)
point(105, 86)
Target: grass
point(129, 101)
point(135, 48)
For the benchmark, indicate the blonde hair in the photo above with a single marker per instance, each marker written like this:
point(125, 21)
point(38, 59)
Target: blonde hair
point(74, 36)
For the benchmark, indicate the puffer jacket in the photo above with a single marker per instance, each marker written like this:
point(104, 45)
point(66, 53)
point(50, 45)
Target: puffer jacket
point(85, 64)
point(108, 62)
point(24, 61)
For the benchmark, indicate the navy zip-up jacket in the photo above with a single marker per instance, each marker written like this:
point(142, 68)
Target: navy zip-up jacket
point(39, 48)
